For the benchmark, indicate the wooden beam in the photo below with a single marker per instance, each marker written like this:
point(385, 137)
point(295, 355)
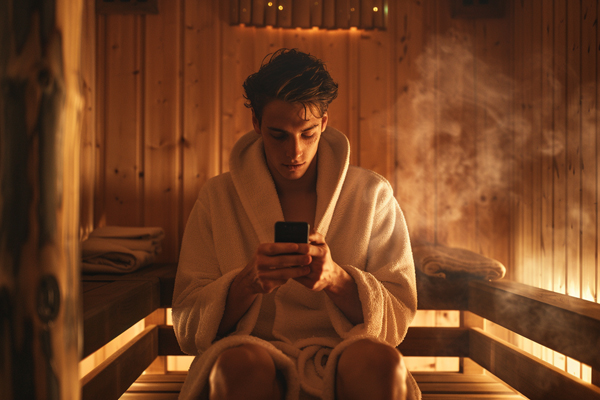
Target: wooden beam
point(435, 342)
point(419, 342)
point(566, 324)
point(41, 109)
point(527, 374)
point(112, 377)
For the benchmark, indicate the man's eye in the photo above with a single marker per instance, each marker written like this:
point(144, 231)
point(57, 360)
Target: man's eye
point(278, 136)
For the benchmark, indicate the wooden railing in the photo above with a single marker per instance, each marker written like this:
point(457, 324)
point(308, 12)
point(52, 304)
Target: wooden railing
point(565, 324)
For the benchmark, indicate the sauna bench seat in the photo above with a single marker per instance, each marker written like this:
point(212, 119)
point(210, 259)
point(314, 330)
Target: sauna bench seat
point(565, 324)
point(113, 303)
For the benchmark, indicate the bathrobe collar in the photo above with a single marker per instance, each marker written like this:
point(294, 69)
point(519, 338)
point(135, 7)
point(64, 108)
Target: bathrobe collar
point(256, 188)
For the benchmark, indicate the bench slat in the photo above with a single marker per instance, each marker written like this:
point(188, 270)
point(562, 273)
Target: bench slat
point(568, 325)
point(534, 378)
point(419, 342)
point(113, 376)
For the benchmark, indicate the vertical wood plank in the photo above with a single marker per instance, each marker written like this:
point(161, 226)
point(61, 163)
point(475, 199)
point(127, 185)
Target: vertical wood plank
point(245, 11)
point(597, 373)
point(493, 49)
point(525, 135)
point(589, 139)
point(316, 13)
point(342, 14)
point(559, 157)
point(379, 14)
point(328, 14)
point(573, 170)
point(271, 14)
point(366, 14)
point(415, 131)
point(122, 134)
point(338, 52)
point(237, 49)
point(354, 10)
point(301, 14)
point(517, 204)
point(162, 123)
point(547, 146)
point(99, 177)
point(456, 87)
point(88, 126)
point(284, 13)
point(536, 142)
point(201, 100)
point(258, 12)
point(374, 123)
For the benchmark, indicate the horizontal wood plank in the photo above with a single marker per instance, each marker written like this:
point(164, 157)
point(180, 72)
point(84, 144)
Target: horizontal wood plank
point(113, 377)
point(563, 323)
point(419, 342)
point(442, 294)
point(532, 377)
point(435, 342)
point(434, 385)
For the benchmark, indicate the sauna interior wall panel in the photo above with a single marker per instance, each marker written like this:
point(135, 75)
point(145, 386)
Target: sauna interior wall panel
point(487, 128)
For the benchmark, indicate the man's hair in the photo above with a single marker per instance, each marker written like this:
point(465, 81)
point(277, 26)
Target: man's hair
point(293, 76)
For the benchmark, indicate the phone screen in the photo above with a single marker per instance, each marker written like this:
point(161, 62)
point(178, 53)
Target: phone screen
point(292, 232)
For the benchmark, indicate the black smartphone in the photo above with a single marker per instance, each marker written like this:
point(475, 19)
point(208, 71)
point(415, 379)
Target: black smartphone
point(292, 232)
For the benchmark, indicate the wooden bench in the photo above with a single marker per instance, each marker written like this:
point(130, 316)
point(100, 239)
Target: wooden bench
point(562, 323)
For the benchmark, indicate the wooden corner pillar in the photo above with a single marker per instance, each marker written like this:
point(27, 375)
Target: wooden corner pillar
point(40, 112)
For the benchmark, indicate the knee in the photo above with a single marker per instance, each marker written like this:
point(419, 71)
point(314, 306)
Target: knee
point(370, 370)
point(244, 363)
point(368, 358)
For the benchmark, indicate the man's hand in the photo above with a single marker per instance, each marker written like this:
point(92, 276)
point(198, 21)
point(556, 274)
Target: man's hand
point(325, 274)
point(273, 264)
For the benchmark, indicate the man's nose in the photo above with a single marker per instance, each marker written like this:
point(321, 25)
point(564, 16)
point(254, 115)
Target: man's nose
point(294, 148)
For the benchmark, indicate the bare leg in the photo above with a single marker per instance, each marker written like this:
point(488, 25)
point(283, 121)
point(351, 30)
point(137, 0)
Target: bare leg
point(245, 372)
point(370, 370)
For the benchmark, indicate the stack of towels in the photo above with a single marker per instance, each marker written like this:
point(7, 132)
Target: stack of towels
point(446, 262)
point(118, 249)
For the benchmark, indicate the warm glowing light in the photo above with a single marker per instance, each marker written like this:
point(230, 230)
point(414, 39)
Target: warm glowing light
point(375, 9)
point(270, 4)
point(352, 9)
point(280, 8)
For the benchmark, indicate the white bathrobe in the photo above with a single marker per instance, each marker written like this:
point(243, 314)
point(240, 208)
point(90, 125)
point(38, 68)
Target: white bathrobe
point(303, 330)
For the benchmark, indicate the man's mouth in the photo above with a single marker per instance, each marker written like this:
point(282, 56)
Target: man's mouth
point(293, 167)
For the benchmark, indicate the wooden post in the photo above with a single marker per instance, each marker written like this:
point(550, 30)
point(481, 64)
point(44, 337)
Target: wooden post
point(40, 109)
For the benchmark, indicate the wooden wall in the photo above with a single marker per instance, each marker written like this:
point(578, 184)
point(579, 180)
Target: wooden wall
point(487, 128)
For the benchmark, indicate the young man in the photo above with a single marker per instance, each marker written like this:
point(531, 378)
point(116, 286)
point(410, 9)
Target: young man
point(284, 320)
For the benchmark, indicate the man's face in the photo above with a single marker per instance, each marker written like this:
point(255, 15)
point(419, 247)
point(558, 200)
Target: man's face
point(291, 137)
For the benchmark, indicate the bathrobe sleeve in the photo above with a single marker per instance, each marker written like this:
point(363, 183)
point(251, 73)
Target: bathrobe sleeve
point(201, 285)
point(386, 280)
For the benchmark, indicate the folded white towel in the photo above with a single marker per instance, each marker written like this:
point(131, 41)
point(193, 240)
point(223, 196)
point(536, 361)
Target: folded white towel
point(103, 256)
point(129, 232)
point(440, 261)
